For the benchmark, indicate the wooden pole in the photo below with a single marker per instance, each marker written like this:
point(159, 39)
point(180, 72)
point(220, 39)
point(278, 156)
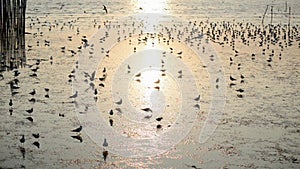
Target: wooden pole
point(263, 18)
point(12, 34)
point(271, 15)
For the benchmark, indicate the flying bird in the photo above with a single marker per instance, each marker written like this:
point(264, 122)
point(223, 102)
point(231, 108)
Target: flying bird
point(105, 9)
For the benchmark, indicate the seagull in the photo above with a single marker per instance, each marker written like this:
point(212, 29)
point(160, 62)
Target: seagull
point(105, 9)
point(33, 92)
point(30, 119)
point(197, 98)
point(147, 109)
point(159, 119)
point(10, 102)
point(29, 110)
point(78, 137)
point(77, 129)
point(111, 122)
point(37, 144)
point(119, 102)
point(22, 140)
point(105, 144)
point(36, 135)
point(105, 154)
point(231, 78)
point(75, 95)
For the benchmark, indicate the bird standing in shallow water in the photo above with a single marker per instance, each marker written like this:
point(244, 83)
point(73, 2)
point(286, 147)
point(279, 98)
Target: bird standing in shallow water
point(22, 140)
point(77, 129)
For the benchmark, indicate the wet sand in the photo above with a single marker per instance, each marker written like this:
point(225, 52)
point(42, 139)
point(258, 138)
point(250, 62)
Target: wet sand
point(258, 128)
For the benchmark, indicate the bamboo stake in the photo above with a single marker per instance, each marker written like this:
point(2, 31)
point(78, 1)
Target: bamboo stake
point(263, 18)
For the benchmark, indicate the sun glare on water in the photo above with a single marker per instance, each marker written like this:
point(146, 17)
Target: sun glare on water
point(152, 6)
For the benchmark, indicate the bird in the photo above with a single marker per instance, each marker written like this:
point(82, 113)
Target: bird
point(231, 84)
point(37, 144)
point(159, 118)
point(77, 129)
point(147, 109)
point(74, 95)
point(157, 81)
point(111, 122)
point(231, 78)
point(10, 102)
point(197, 106)
point(33, 92)
point(29, 110)
point(157, 87)
point(105, 9)
point(10, 111)
point(111, 112)
point(119, 102)
point(105, 154)
point(22, 140)
point(240, 90)
point(47, 89)
point(32, 100)
point(119, 110)
point(148, 116)
point(78, 137)
point(239, 96)
point(29, 118)
point(197, 98)
point(36, 135)
point(105, 144)
point(138, 75)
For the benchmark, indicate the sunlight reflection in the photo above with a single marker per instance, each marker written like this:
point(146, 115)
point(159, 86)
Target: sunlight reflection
point(152, 6)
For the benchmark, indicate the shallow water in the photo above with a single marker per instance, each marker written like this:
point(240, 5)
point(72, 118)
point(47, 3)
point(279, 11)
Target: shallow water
point(257, 128)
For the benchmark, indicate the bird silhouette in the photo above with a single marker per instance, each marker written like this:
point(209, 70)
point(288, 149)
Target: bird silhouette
point(30, 119)
point(231, 78)
point(159, 118)
point(105, 9)
point(77, 129)
point(119, 102)
point(10, 102)
point(32, 100)
point(138, 75)
point(240, 90)
point(74, 95)
point(147, 109)
point(105, 154)
point(111, 122)
point(29, 110)
point(105, 144)
point(22, 140)
point(197, 98)
point(37, 144)
point(37, 135)
point(33, 92)
point(78, 137)
point(197, 106)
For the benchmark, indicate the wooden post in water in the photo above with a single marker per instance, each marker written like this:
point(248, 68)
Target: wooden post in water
point(12, 34)
point(289, 24)
point(263, 18)
point(271, 15)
